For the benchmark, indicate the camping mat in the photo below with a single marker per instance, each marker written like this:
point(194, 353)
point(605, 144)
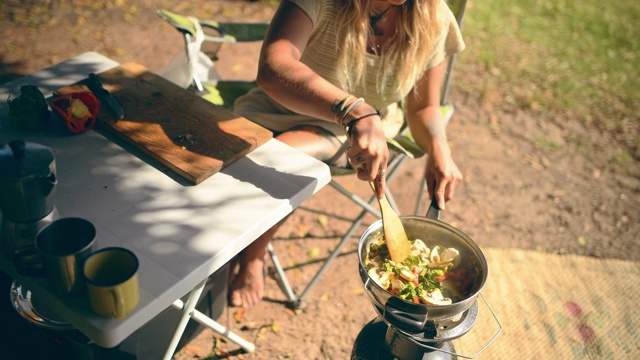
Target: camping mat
point(556, 307)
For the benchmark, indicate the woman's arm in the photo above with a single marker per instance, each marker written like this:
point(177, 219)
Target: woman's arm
point(428, 129)
point(300, 89)
point(286, 79)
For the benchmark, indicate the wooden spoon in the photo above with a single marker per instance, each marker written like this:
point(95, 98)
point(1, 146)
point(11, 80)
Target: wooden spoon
point(394, 233)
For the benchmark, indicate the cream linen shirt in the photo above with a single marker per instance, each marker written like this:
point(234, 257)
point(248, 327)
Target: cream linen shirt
point(321, 54)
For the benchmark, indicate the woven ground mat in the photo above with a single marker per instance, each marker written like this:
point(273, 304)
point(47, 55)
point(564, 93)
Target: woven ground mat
point(556, 307)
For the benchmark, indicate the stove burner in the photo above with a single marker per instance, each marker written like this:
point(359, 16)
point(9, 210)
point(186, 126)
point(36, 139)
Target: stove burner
point(433, 343)
point(369, 345)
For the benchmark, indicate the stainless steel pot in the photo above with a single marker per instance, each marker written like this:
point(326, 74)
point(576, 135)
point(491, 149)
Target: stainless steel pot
point(413, 317)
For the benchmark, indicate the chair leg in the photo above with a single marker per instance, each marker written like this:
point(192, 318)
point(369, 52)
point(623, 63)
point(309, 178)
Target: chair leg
point(293, 298)
point(334, 254)
point(297, 301)
point(368, 206)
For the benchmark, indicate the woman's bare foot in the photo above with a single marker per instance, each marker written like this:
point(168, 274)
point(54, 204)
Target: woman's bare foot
point(247, 288)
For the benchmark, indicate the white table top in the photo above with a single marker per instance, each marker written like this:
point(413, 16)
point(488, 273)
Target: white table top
point(180, 233)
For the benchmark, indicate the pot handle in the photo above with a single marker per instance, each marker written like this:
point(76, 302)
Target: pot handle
point(405, 316)
point(434, 210)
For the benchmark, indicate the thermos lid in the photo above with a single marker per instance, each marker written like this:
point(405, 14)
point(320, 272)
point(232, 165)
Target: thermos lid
point(20, 159)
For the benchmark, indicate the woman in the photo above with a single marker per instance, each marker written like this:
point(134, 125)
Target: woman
point(330, 76)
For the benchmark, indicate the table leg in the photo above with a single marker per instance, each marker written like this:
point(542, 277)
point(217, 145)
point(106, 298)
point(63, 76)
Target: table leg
point(192, 301)
point(189, 312)
point(215, 326)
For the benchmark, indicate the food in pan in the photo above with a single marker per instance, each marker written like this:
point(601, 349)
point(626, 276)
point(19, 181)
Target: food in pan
point(432, 276)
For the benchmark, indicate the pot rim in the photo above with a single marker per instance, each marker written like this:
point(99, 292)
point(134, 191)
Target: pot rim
point(451, 310)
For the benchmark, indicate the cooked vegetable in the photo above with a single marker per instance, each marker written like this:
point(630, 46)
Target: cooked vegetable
point(29, 110)
point(78, 110)
point(429, 276)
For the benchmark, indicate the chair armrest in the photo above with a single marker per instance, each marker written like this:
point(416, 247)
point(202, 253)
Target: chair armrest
point(244, 32)
point(185, 25)
point(405, 144)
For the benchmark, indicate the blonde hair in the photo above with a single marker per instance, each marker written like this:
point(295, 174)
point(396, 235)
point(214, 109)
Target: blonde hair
point(409, 48)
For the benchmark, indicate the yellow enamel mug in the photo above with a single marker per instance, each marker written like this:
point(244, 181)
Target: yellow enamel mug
point(111, 275)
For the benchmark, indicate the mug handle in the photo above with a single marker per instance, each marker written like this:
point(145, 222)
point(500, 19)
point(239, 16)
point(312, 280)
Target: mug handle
point(118, 302)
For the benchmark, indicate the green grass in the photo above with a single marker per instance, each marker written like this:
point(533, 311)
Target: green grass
point(566, 58)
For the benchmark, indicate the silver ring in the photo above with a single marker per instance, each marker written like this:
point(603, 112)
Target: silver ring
point(382, 172)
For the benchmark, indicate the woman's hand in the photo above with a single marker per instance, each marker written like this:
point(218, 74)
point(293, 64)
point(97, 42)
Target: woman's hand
point(369, 152)
point(442, 174)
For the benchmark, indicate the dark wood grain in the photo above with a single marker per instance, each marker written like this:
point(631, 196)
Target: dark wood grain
point(179, 129)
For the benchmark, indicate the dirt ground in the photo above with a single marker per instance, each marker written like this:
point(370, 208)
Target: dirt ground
point(517, 193)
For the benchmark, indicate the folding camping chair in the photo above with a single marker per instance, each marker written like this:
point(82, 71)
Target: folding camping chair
point(195, 69)
point(223, 93)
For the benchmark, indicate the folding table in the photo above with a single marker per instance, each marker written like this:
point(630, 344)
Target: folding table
point(181, 233)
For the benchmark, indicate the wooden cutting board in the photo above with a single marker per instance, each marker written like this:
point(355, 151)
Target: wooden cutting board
point(174, 126)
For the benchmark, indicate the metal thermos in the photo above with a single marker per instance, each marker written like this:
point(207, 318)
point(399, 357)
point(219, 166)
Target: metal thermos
point(27, 193)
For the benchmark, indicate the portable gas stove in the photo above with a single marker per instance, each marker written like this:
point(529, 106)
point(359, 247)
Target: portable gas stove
point(382, 340)
point(415, 331)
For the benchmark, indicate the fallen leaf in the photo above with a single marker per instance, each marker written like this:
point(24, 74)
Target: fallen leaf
point(357, 291)
point(489, 215)
point(275, 327)
point(559, 193)
point(323, 220)
point(238, 315)
point(297, 274)
point(301, 230)
point(120, 52)
point(582, 241)
point(289, 312)
point(313, 252)
point(534, 164)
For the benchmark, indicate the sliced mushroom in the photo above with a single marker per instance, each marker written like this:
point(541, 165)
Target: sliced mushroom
point(407, 274)
point(435, 298)
point(434, 257)
point(385, 280)
point(419, 248)
point(373, 274)
point(449, 255)
point(397, 284)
